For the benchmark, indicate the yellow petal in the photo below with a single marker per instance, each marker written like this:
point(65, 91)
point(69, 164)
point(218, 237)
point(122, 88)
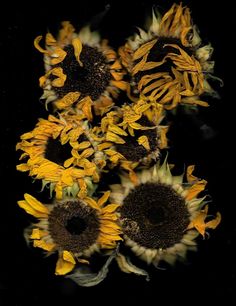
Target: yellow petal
point(133, 177)
point(187, 93)
point(87, 153)
point(77, 49)
point(38, 234)
point(214, 223)
point(44, 245)
point(111, 224)
point(42, 80)
point(65, 34)
point(110, 208)
point(59, 192)
point(67, 256)
point(152, 65)
point(104, 145)
point(131, 131)
point(118, 76)
point(137, 126)
point(27, 135)
point(138, 67)
point(32, 205)
point(196, 189)
point(152, 86)
point(37, 46)
point(58, 82)
point(23, 167)
point(199, 223)
point(117, 130)
point(30, 210)
point(106, 237)
point(68, 162)
point(67, 100)
point(116, 65)
point(143, 141)
point(50, 40)
point(91, 202)
point(120, 84)
point(163, 138)
point(83, 145)
point(58, 56)
point(104, 198)
point(195, 101)
point(65, 263)
point(86, 106)
point(66, 177)
point(144, 49)
point(190, 177)
point(110, 230)
point(114, 138)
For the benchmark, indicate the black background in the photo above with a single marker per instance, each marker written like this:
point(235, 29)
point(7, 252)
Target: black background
point(209, 276)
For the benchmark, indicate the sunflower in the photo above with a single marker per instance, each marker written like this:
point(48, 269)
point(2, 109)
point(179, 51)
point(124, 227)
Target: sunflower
point(61, 153)
point(168, 62)
point(132, 134)
point(161, 216)
point(80, 69)
point(73, 227)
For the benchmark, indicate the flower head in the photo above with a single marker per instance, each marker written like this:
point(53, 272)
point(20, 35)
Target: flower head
point(80, 69)
point(168, 62)
point(161, 216)
point(61, 153)
point(132, 134)
point(73, 227)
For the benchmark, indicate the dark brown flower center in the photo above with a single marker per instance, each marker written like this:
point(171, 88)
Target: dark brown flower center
point(74, 226)
point(154, 215)
point(131, 149)
point(91, 79)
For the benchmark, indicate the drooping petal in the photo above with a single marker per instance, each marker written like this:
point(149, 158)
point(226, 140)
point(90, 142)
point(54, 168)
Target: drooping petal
point(194, 190)
point(126, 266)
point(76, 42)
point(104, 198)
point(33, 207)
point(65, 263)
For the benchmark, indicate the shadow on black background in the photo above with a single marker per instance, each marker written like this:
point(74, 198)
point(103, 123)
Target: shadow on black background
point(209, 275)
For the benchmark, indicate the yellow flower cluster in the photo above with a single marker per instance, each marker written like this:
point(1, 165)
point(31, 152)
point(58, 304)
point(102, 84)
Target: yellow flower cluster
point(93, 134)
